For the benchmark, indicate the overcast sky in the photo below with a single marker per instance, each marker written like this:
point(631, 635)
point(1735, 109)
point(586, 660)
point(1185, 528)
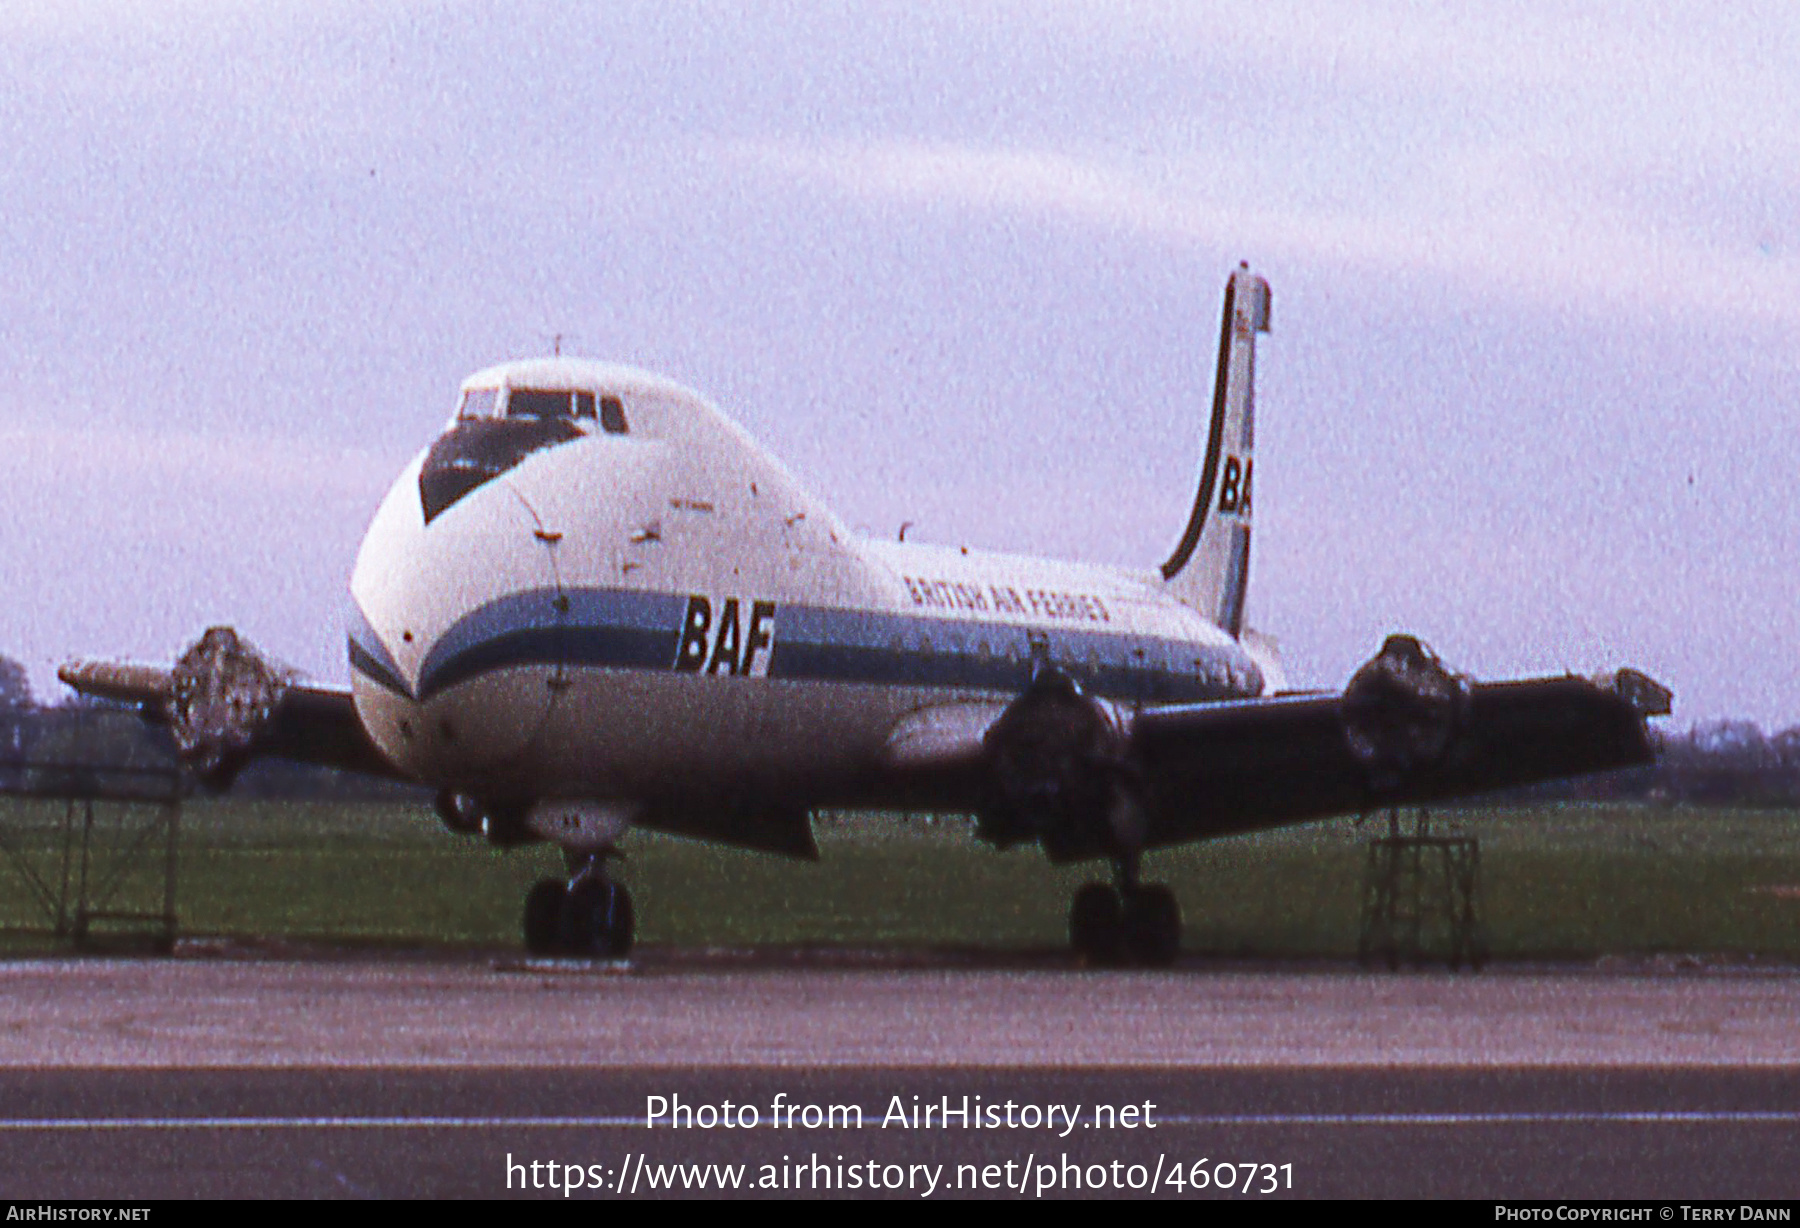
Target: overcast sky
point(1530, 391)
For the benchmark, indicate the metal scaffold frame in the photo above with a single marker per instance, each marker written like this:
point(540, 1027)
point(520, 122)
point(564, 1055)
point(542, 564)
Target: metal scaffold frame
point(1420, 895)
point(82, 879)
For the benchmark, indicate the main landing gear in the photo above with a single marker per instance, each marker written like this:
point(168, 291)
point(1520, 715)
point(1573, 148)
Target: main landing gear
point(588, 917)
point(1129, 923)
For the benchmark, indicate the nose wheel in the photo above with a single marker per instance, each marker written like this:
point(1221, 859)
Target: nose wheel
point(589, 917)
point(1130, 923)
point(543, 916)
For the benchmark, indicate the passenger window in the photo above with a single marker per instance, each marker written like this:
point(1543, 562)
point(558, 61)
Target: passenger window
point(537, 403)
point(584, 405)
point(478, 403)
point(612, 416)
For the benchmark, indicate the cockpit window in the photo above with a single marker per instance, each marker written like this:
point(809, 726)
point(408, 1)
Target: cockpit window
point(478, 403)
point(538, 403)
point(548, 403)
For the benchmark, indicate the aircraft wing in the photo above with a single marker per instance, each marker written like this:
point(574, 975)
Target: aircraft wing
point(1085, 776)
point(226, 705)
point(1228, 767)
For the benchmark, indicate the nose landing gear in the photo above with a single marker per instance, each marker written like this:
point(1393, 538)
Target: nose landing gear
point(588, 917)
point(543, 916)
point(1127, 923)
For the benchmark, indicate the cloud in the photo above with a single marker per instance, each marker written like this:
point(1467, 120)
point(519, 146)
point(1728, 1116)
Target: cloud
point(128, 542)
point(1527, 225)
point(105, 459)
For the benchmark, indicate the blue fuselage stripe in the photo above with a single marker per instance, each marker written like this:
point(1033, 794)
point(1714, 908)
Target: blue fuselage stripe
point(635, 631)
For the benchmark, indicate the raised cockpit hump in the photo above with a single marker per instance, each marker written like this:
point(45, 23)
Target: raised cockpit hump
point(600, 398)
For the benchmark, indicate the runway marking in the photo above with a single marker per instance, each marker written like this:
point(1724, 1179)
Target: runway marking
point(1644, 1117)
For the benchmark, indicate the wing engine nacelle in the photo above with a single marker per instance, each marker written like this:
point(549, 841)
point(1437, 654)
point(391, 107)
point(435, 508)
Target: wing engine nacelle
point(461, 814)
point(222, 695)
point(1402, 711)
point(1059, 772)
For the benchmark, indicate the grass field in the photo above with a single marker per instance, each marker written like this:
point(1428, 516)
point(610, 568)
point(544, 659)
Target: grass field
point(1557, 880)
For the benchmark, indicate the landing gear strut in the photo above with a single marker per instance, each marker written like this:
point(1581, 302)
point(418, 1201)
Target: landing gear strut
point(1127, 923)
point(588, 917)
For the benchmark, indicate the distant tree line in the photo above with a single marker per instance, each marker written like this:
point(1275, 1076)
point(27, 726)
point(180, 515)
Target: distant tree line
point(1729, 761)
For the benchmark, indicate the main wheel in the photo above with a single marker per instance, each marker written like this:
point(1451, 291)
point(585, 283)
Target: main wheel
point(1094, 924)
point(597, 919)
point(1152, 926)
point(543, 916)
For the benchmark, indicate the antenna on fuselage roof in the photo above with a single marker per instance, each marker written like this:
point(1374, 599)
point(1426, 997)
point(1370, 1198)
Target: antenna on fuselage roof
point(557, 339)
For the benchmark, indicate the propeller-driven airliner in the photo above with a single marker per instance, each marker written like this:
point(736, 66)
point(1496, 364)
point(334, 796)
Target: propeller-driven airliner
point(593, 603)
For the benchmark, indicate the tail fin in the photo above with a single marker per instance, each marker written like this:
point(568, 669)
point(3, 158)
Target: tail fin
point(1210, 568)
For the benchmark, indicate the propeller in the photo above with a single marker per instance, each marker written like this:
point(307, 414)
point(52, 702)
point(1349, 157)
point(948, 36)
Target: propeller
point(1402, 711)
point(1059, 770)
point(221, 695)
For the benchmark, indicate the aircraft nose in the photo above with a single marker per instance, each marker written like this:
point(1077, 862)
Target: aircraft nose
point(452, 625)
point(420, 587)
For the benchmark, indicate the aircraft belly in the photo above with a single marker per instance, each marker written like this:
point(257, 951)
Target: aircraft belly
point(476, 735)
point(622, 733)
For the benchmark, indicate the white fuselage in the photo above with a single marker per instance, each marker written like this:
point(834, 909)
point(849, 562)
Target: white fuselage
point(661, 610)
